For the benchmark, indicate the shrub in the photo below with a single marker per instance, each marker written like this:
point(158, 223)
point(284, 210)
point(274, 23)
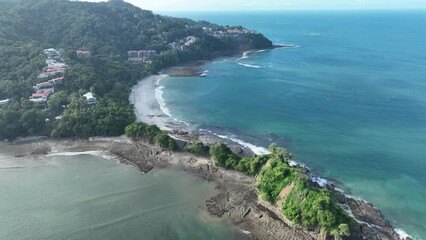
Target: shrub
point(223, 156)
point(252, 166)
point(142, 130)
point(273, 179)
point(312, 207)
point(166, 142)
point(198, 148)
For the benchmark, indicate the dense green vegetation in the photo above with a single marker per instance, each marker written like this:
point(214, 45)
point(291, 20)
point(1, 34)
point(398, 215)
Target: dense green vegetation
point(108, 30)
point(223, 156)
point(274, 178)
point(312, 207)
point(199, 149)
point(166, 142)
point(306, 204)
point(107, 118)
point(152, 134)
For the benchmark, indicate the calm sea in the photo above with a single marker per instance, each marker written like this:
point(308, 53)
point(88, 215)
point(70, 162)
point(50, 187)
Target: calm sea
point(350, 102)
point(89, 197)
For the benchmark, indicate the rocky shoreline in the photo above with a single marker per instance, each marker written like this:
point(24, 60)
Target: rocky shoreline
point(238, 198)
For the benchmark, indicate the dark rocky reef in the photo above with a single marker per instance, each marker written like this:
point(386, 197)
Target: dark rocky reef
point(238, 197)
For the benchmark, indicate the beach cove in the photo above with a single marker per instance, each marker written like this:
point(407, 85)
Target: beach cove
point(348, 107)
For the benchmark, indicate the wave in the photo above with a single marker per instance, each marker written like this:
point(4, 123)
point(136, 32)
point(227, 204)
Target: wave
point(313, 34)
point(249, 65)
point(245, 55)
point(287, 45)
point(321, 181)
point(264, 50)
point(71, 154)
point(161, 101)
point(402, 234)
point(98, 153)
point(256, 149)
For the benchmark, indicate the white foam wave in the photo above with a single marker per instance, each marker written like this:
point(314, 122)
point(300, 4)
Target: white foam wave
point(161, 101)
point(256, 149)
point(245, 55)
point(402, 234)
point(313, 34)
point(98, 153)
point(249, 65)
point(321, 181)
point(293, 163)
point(163, 106)
point(287, 45)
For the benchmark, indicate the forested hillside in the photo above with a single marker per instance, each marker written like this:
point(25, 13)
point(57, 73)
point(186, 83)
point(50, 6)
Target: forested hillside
point(107, 31)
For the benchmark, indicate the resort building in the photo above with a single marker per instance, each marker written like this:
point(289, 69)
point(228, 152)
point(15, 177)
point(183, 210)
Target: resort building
point(41, 95)
point(48, 74)
point(49, 84)
point(90, 99)
point(141, 55)
point(83, 54)
point(51, 53)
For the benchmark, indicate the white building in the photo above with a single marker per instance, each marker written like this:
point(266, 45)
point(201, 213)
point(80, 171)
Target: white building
point(90, 99)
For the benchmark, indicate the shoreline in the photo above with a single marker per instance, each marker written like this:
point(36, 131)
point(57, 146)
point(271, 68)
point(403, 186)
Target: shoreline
point(238, 196)
point(237, 199)
point(183, 132)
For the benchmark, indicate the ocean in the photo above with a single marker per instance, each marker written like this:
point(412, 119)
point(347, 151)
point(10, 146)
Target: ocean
point(93, 197)
point(349, 101)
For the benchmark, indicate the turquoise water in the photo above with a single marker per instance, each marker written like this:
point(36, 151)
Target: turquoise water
point(350, 102)
point(88, 197)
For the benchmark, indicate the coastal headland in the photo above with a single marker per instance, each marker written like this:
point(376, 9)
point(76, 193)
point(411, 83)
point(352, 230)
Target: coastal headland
point(238, 197)
point(373, 224)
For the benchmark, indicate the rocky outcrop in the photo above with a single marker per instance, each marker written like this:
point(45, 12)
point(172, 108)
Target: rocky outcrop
point(142, 155)
point(373, 224)
point(238, 198)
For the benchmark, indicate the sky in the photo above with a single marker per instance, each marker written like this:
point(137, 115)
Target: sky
point(232, 5)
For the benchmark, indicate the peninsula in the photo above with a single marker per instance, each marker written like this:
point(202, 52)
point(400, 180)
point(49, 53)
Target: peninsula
point(67, 72)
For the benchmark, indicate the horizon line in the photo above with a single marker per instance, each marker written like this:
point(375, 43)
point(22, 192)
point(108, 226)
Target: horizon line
point(292, 10)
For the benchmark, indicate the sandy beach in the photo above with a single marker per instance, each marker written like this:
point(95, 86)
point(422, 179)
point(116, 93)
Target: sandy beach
point(149, 104)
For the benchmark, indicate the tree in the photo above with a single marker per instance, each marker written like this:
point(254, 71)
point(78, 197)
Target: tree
point(198, 148)
point(166, 142)
point(56, 101)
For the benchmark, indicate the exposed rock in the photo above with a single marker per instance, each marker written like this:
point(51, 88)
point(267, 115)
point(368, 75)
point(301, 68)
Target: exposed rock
point(373, 224)
point(336, 194)
point(41, 150)
point(238, 198)
point(236, 150)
